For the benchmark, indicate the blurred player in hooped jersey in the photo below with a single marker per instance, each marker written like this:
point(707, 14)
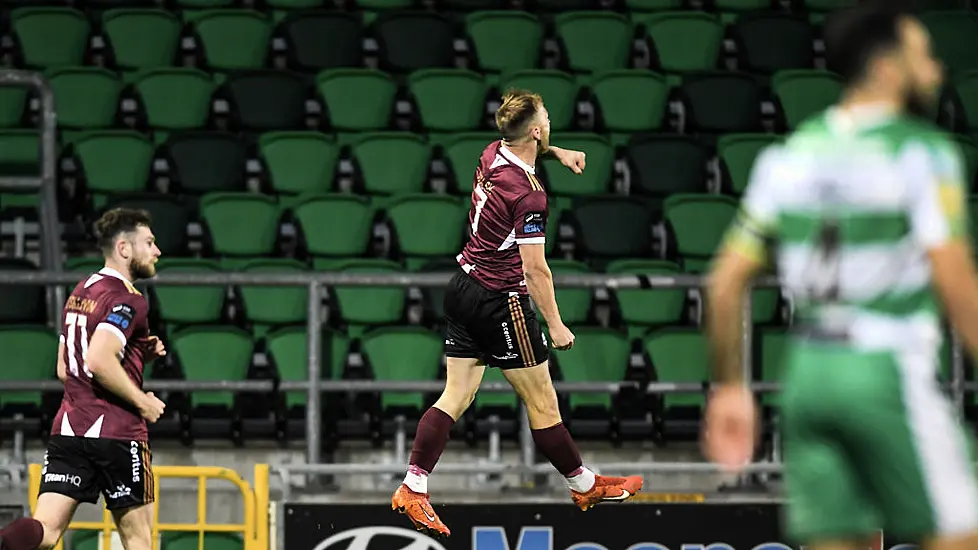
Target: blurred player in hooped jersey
point(491, 321)
point(99, 440)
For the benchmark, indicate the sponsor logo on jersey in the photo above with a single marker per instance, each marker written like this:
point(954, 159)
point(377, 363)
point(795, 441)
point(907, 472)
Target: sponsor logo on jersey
point(506, 335)
point(121, 316)
point(70, 479)
point(120, 492)
point(533, 222)
point(137, 462)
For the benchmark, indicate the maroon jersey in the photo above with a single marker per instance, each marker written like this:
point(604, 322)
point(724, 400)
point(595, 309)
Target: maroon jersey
point(509, 208)
point(103, 301)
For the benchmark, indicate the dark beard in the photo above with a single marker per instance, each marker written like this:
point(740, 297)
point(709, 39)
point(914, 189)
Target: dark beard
point(140, 271)
point(925, 108)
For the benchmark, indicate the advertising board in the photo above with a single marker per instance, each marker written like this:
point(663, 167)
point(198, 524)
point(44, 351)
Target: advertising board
point(546, 527)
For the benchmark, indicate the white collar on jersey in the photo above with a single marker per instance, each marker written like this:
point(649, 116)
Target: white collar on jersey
point(113, 273)
point(859, 116)
point(511, 157)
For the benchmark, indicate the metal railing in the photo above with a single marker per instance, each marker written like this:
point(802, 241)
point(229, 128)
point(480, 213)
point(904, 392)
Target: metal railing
point(45, 183)
point(314, 386)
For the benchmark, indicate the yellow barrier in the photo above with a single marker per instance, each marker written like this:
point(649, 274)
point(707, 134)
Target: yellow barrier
point(254, 530)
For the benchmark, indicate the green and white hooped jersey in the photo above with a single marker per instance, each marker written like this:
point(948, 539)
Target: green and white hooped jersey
point(852, 205)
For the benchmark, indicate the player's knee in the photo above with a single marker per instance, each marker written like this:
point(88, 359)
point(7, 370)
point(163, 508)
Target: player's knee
point(52, 534)
point(543, 410)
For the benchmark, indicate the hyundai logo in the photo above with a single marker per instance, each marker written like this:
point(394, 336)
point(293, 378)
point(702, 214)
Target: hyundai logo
point(360, 539)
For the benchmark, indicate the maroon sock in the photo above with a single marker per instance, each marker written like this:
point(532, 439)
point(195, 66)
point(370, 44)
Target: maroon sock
point(431, 438)
point(22, 534)
point(556, 444)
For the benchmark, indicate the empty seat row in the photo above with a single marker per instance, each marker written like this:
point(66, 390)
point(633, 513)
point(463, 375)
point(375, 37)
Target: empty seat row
point(444, 100)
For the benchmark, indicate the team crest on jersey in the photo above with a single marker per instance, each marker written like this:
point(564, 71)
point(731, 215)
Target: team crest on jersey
point(952, 199)
point(533, 222)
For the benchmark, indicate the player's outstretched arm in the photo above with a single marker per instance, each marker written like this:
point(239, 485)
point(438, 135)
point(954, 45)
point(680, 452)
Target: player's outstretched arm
point(540, 284)
point(573, 160)
point(103, 362)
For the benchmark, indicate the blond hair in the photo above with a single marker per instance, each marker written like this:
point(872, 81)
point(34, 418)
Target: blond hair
point(514, 115)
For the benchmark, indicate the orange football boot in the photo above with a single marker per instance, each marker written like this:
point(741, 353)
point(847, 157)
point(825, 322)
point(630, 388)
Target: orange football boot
point(608, 489)
point(417, 508)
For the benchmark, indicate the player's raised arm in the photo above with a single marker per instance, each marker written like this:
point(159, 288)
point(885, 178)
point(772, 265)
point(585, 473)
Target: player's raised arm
point(939, 222)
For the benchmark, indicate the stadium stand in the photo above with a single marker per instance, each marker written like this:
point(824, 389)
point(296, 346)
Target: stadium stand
point(292, 135)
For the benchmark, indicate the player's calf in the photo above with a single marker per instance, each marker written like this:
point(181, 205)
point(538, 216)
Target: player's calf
point(23, 534)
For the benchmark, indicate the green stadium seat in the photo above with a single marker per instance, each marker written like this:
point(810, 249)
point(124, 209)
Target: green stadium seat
point(85, 97)
point(774, 344)
point(335, 226)
point(721, 102)
point(141, 38)
point(594, 41)
point(30, 353)
point(299, 162)
point(575, 303)
point(240, 224)
point(170, 216)
point(448, 100)
point(13, 102)
point(521, 49)
point(640, 7)
point(680, 355)
point(642, 309)
point(804, 93)
point(557, 88)
point(83, 539)
point(20, 303)
point(50, 37)
point(770, 42)
point(488, 402)
point(698, 224)
point(392, 162)
point(410, 41)
point(175, 98)
point(737, 153)
point(202, 162)
point(323, 40)
point(428, 226)
point(596, 179)
point(211, 541)
point(613, 227)
point(357, 99)
point(19, 153)
point(364, 305)
point(182, 305)
point(114, 161)
point(85, 265)
point(275, 305)
point(954, 37)
point(288, 350)
point(684, 41)
point(966, 90)
point(615, 92)
point(233, 39)
point(463, 152)
point(664, 164)
point(403, 354)
point(973, 217)
point(263, 100)
point(598, 355)
point(741, 6)
point(209, 353)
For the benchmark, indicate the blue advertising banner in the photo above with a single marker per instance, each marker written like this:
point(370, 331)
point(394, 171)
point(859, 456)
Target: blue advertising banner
point(545, 527)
